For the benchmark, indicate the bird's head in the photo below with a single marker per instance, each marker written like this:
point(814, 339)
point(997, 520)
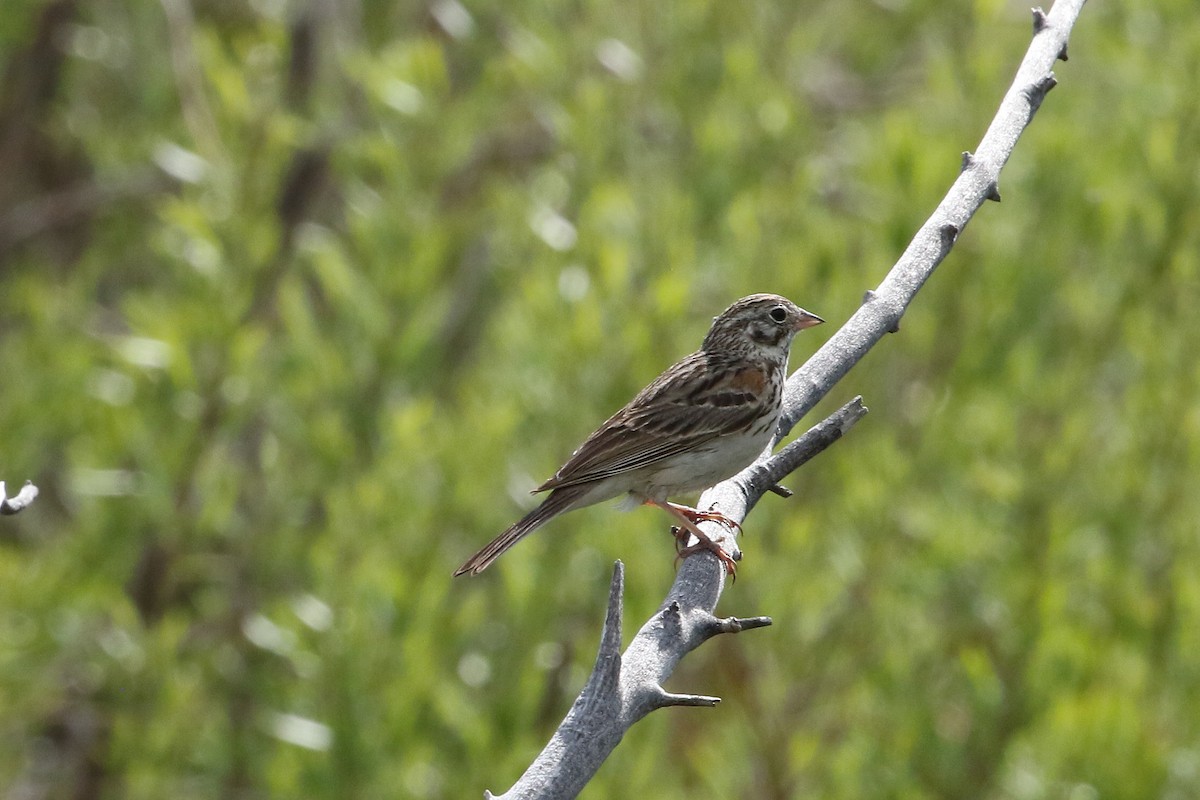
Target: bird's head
point(764, 323)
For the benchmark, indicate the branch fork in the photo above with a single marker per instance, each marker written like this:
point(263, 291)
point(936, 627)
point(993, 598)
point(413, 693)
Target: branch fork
point(624, 688)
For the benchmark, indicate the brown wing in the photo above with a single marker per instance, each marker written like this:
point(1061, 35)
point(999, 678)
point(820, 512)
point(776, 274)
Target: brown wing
point(695, 401)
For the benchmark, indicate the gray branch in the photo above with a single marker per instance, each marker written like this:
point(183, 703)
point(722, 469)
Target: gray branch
point(624, 688)
point(18, 502)
point(978, 182)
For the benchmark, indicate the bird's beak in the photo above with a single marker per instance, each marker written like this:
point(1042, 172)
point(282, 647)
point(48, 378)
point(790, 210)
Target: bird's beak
point(807, 320)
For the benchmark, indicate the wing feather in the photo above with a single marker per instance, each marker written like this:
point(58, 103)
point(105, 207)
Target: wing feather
point(699, 399)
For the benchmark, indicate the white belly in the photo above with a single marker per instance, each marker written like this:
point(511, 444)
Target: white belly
point(706, 466)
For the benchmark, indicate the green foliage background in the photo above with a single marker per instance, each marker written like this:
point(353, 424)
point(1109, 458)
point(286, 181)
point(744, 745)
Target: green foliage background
point(298, 299)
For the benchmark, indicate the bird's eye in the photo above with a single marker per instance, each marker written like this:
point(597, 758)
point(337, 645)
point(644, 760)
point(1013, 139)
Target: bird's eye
point(779, 314)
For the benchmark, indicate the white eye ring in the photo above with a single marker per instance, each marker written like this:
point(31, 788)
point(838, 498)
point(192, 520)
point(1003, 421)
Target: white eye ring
point(779, 314)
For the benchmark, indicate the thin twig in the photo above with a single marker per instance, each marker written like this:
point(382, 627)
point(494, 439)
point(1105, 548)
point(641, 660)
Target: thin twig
point(19, 501)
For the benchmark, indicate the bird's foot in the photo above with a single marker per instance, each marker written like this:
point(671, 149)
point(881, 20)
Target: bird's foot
point(689, 517)
point(681, 539)
point(708, 545)
point(695, 515)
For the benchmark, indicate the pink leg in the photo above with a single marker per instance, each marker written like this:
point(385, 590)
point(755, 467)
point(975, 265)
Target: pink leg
point(688, 517)
point(696, 515)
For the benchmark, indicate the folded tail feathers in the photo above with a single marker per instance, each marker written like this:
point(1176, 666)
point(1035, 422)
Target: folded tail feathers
point(557, 502)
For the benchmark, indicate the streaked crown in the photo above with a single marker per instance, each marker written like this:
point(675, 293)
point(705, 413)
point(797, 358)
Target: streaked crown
point(760, 322)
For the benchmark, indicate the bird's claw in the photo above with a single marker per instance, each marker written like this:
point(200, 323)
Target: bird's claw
point(708, 545)
point(690, 517)
point(712, 515)
point(681, 537)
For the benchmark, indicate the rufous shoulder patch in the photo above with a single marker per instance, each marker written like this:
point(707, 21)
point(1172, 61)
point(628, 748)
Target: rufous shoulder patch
point(751, 379)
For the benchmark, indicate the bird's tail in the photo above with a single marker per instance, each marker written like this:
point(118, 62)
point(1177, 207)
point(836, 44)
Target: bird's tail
point(560, 500)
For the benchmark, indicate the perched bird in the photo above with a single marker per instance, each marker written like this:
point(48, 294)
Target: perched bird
point(703, 420)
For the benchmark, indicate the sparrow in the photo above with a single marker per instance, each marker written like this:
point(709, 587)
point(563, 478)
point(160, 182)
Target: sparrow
point(703, 420)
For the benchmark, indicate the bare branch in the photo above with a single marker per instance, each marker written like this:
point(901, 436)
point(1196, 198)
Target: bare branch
point(695, 700)
point(594, 724)
point(978, 182)
point(625, 688)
